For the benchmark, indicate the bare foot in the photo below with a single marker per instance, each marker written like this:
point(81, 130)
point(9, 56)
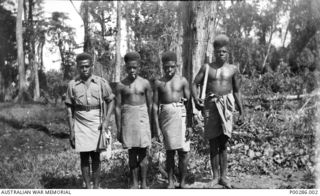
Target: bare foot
point(171, 186)
point(183, 185)
point(134, 186)
point(214, 182)
point(226, 183)
point(144, 187)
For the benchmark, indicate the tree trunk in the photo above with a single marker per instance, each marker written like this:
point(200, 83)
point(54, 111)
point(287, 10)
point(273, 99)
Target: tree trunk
point(118, 44)
point(19, 32)
point(268, 50)
point(199, 22)
point(87, 46)
point(33, 65)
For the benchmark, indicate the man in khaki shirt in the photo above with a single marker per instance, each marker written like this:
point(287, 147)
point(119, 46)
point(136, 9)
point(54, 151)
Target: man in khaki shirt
point(84, 99)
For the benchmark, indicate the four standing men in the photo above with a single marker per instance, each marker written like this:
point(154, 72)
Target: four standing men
point(134, 109)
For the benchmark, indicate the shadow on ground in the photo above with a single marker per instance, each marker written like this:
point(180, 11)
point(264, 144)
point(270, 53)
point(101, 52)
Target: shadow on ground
point(18, 125)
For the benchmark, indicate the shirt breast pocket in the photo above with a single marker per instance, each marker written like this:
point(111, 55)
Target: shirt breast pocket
point(95, 94)
point(79, 96)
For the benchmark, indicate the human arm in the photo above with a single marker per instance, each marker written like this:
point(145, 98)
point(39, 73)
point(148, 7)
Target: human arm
point(194, 88)
point(71, 125)
point(187, 96)
point(148, 94)
point(236, 83)
point(155, 111)
point(70, 113)
point(118, 112)
point(108, 104)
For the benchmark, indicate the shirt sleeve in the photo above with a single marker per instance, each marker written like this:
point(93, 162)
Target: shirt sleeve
point(69, 96)
point(107, 93)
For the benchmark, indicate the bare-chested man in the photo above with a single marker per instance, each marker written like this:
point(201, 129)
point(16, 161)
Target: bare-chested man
point(171, 93)
point(133, 110)
point(221, 93)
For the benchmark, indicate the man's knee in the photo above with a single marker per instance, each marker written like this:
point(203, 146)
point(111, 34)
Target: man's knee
point(223, 142)
point(214, 146)
point(84, 159)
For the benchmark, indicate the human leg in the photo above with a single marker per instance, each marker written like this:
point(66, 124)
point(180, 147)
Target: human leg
point(214, 159)
point(95, 165)
point(183, 166)
point(85, 168)
point(143, 163)
point(223, 158)
point(134, 168)
point(170, 167)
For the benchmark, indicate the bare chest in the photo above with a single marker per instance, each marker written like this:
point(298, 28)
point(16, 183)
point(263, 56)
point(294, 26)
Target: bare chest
point(220, 74)
point(133, 89)
point(170, 86)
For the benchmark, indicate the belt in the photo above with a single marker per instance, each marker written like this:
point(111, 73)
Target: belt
point(86, 107)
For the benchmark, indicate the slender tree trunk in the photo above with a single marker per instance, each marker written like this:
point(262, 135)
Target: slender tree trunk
point(22, 83)
point(268, 50)
point(2, 86)
point(87, 47)
point(33, 65)
point(118, 44)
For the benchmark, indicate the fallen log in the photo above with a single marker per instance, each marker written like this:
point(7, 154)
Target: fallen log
point(279, 97)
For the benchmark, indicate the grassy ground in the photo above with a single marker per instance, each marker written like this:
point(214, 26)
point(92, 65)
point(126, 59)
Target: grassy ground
point(273, 149)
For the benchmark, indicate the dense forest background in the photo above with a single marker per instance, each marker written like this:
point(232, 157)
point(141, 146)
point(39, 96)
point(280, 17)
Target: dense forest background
point(188, 28)
point(276, 147)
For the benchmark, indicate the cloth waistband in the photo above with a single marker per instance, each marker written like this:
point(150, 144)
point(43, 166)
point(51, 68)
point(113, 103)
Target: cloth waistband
point(176, 104)
point(212, 96)
point(86, 107)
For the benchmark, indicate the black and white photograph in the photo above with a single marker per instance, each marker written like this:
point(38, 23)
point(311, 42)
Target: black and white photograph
point(209, 95)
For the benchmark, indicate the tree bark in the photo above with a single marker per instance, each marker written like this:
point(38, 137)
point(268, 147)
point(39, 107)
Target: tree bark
point(118, 44)
point(19, 32)
point(87, 46)
point(198, 26)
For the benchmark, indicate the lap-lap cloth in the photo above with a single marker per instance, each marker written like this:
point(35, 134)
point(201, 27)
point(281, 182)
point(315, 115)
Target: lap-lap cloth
point(86, 126)
point(218, 114)
point(135, 124)
point(172, 120)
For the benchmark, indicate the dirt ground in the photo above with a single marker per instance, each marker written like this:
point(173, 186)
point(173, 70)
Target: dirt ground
point(38, 157)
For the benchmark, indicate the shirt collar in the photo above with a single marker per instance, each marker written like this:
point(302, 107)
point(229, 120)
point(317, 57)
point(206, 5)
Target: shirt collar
point(91, 78)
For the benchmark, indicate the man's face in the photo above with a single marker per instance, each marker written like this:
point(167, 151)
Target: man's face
point(169, 68)
point(84, 68)
point(132, 68)
point(221, 54)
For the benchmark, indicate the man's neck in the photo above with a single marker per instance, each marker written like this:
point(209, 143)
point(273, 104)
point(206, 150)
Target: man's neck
point(85, 79)
point(167, 78)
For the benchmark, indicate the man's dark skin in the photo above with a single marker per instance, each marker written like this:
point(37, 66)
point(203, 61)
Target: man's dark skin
point(85, 70)
point(223, 78)
point(134, 90)
point(172, 89)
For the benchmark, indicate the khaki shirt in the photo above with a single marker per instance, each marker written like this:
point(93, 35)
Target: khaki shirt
point(79, 94)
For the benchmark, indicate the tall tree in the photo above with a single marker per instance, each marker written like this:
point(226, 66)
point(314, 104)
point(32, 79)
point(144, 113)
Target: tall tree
point(62, 36)
point(19, 38)
point(8, 52)
point(118, 44)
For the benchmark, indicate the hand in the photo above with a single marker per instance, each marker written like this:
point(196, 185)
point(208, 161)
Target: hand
point(240, 120)
point(159, 138)
point(188, 133)
point(72, 140)
point(199, 103)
